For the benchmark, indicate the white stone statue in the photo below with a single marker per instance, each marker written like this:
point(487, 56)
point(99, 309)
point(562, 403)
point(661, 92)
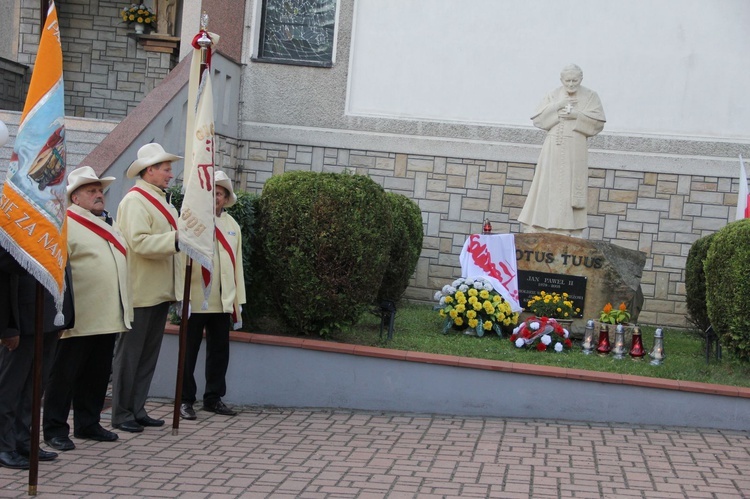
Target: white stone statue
point(557, 199)
point(165, 17)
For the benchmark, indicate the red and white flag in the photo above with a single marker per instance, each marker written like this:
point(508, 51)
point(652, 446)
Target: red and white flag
point(196, 224)
point(743, 200)
point(33, 198)
point(493, 258)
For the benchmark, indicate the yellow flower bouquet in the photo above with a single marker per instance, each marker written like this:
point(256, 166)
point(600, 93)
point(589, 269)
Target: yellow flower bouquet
point(139, 14)
point(473, 303)
point(553, 306)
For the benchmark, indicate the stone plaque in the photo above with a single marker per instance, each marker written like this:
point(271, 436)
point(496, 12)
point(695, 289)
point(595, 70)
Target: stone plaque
point(613, 273)
point(532, 283)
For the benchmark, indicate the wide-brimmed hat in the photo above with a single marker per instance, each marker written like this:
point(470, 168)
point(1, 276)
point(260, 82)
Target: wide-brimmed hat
point(220, 178)
point(149, 155)
point(85, 175)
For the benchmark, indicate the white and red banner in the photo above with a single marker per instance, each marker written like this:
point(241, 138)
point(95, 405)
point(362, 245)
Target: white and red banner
point(197, 224)
point(33, 202)
point(494, 258)
point(743, 199)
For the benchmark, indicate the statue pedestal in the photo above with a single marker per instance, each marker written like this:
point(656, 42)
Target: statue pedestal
point(609, 273)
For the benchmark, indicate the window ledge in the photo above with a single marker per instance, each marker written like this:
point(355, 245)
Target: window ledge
point(312, 64)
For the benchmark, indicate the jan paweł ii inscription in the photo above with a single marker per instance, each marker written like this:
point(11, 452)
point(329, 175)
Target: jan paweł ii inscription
point(612, 273)
point(532, 283)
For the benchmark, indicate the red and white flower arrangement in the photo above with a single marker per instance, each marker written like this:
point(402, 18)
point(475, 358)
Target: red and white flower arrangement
point(543, 334)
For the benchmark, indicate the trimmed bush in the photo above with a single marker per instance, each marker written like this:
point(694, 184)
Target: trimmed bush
point(727, 269)
point(326, 241)
point(695, 284)
point(406, 246)
point(243, 212)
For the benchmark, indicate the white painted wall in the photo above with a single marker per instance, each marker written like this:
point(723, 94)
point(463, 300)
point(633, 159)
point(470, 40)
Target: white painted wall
point(663, 67)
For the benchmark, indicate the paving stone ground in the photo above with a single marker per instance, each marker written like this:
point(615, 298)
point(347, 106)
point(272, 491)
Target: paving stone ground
point(313, 453)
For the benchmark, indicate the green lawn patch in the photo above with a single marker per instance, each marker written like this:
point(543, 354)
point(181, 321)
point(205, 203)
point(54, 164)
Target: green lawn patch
point(418, 328)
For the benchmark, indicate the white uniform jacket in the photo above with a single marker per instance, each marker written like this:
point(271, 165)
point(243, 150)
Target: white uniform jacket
point(228, 283)
point(151, 245)
point(96, 251)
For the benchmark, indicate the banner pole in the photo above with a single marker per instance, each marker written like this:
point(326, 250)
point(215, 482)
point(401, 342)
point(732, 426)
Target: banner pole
point(204, 42)
point(182, 346)
point(36, 400)
point(44, 8)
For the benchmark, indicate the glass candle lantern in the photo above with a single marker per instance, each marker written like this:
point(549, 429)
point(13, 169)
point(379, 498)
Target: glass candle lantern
point(588, 338)
point(636, 349)
point(657, 354)
point(619, 349)
point(603, 347)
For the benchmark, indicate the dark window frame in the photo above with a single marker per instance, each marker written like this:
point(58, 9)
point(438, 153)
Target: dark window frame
point(262, 46)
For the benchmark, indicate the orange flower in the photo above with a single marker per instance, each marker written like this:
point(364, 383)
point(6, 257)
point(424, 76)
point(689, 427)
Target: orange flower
point(611, 316)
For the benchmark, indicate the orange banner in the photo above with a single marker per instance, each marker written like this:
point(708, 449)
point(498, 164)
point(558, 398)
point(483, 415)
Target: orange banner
point(33, 203)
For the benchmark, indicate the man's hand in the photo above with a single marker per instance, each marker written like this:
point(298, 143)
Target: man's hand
point(10, 343)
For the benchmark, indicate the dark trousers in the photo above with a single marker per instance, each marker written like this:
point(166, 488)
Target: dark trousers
point(80, 374)
point(136, 353)
point(16, 376)
point(217, 356)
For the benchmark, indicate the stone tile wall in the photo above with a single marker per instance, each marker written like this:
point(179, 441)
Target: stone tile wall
point(13, 81)
point(660, 214)
point(106, 72)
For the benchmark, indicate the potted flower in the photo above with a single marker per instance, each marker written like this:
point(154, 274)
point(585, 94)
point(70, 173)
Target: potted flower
point(542, 334)
point(472, 303)
point(553, 305)
point(611, 315)
point(139, 15)
point(614, 317)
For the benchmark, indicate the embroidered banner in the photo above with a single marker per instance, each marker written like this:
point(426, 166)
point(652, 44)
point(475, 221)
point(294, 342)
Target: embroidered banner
point(196, 223)
point(33, 203)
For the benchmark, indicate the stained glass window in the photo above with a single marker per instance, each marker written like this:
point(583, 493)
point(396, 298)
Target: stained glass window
point(298, 32)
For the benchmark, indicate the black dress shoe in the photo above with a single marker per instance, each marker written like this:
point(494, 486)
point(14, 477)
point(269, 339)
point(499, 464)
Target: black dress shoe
point(13, 460)
point(97, 433)
point(44, 455)
point(60, 443)
point(149, 421)
point(219, 408)
point(187, 412)
point(129, 426)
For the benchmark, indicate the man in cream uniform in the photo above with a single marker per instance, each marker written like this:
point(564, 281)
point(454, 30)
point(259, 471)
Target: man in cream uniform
point(80, 371)
point(224, 308)
point(149, 225)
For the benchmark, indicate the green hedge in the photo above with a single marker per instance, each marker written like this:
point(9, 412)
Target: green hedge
point(326, 240)
point(406, 246)
point(695, 284)
point(727, 270)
